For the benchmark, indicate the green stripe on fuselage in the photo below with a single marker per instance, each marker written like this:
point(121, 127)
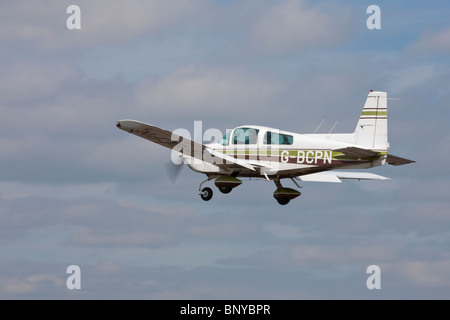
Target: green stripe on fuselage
point(278, 152)
point(300, 154)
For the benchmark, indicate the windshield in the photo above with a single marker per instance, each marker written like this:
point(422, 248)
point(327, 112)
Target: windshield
point(245, 136)
point(225, 138)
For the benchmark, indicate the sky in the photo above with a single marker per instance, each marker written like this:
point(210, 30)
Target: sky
point(75, 190)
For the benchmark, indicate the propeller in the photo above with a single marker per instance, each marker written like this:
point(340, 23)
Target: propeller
point(173, 168)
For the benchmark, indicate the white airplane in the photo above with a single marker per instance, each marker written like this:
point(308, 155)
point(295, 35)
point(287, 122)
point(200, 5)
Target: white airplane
point(251, 151)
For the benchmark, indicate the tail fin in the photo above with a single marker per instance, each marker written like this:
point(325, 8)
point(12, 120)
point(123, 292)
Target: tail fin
point(371, 130)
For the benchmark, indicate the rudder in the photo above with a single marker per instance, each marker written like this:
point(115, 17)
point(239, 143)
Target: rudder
point(371, 130)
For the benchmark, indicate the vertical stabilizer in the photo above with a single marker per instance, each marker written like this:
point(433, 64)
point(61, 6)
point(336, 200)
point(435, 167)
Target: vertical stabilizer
point(371, 130)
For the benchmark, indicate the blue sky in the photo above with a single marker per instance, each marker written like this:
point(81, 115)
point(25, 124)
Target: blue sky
point(76, 190)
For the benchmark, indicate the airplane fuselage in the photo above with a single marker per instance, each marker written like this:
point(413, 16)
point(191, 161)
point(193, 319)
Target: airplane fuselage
point(296, 155)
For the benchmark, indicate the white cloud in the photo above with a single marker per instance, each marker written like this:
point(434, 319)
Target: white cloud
point(12, 190)
point(101, 22)
point(131, 155)
point(425, 274)
point(88, 237)
point(21, 81)
point(108, 267)
point(283, 231)
point(31, 284)
point(195, 90)
point(411, 78)
point(295, 25)
point(433, 42)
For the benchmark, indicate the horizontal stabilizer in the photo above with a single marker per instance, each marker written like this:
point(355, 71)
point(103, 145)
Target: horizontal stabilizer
point(336, 176)
point(320, 177)
point(397, 161)
point(354, 152)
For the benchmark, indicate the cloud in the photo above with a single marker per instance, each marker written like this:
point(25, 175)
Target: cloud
point(201, 90)
point(75, 189)
point(283, 231)
point(27, 81)
point(101, 22)
point(432, 42)
point(296, 25)
point(411, 78)
point(64, 123)
point(149, 239)
point(305, 244)
point(13, 190)
point(27, 283)
point(309, 254)
point(425, 274)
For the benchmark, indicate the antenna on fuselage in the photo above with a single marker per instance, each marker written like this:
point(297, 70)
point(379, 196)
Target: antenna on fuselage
point(319, 126)
point(333, 126)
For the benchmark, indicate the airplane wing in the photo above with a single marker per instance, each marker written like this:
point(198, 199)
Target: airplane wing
point(170, 140)
point(336, 176)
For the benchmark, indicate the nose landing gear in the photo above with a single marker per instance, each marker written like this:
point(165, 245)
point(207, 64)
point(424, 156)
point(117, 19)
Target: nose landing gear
point(205, 193)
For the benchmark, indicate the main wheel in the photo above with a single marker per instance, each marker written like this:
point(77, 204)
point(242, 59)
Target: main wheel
point(225, 189)
point(283, 201)
point(206, 194)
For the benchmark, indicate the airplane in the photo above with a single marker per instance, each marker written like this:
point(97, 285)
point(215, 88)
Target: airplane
point(252, 151)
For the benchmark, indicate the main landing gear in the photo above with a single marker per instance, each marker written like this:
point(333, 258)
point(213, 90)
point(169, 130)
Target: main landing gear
point(284, 195)
point(227, 183)
point(225, 189)
point(205, 193)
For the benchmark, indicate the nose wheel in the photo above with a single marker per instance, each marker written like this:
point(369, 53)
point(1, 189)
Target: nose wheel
point(206, 193)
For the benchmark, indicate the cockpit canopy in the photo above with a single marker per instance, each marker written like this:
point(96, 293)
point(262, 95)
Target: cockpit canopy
point(248, 135)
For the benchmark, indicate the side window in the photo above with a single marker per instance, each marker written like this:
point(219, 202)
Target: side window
point(278, 138)
point(245, 136)
point(286, 139)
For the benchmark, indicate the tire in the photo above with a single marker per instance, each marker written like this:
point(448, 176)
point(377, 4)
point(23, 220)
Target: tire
point(283, 201)
point(207, 194)
point(225, 189)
